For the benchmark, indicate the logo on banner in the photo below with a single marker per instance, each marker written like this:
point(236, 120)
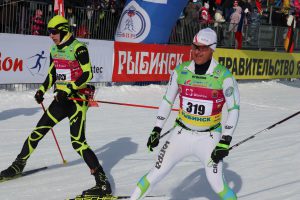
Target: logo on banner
point(36, 62)
point(8, 63)
point(134, 24)
point(98, 73)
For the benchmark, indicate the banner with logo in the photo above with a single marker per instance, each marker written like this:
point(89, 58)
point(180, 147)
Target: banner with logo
point(148, 21)
point(23, 58)
point(147, 62)
point(26, 58)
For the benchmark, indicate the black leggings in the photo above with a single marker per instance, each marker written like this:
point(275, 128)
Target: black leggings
point(76, 112)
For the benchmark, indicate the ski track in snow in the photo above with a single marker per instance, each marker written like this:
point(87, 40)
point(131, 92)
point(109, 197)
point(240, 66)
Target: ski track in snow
point(264, 168)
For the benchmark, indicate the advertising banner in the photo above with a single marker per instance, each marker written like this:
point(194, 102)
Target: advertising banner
point(26, 58)
point(147, 62)
point(259, 64)
point(148, 21)
point(101, 55)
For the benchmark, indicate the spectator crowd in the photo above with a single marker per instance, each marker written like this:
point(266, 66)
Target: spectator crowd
point(88, 18)
point(239, 14)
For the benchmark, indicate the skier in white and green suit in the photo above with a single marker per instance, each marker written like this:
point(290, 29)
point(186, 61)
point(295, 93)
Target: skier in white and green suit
point(204, 86)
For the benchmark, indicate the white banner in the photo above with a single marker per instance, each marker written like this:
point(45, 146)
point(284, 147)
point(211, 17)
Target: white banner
point(101, 54)
point(25, 58)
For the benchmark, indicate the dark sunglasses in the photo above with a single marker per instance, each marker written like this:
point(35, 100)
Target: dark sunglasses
point(53, 31)
point(201, 48)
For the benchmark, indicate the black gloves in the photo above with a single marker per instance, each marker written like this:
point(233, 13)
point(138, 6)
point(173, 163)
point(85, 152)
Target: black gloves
point(71, 89)
point(61, 96)
point(154, 138)
point(222, 149)
point(39, 96)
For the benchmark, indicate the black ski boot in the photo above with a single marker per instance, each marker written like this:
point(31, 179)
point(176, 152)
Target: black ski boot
point(102, 187)
point(14, 170)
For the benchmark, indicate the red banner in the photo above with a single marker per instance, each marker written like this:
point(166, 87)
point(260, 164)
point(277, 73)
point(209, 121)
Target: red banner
point(146, 62)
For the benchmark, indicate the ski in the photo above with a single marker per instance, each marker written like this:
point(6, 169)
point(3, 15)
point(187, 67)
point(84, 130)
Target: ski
point(92, 197)
point(25, 173)
point(80, 197)
point(128, 197)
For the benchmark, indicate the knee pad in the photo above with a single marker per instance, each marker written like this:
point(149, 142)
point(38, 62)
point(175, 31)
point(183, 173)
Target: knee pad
point(79, 147)
point(143, 184)
point(227, 193)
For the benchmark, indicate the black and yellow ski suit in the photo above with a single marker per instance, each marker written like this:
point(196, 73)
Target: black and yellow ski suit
point(70, 70)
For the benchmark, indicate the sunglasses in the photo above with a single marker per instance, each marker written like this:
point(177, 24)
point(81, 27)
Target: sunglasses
point(201, 48)
point(53, 31)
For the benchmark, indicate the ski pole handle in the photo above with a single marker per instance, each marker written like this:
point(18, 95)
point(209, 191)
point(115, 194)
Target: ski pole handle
point(166, 133)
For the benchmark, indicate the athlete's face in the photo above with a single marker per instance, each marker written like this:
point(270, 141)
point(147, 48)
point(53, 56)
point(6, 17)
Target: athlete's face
point(201, 53)
point(54, 35)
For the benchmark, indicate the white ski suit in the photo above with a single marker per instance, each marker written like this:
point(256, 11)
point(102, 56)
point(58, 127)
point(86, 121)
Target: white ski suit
point(198, 126)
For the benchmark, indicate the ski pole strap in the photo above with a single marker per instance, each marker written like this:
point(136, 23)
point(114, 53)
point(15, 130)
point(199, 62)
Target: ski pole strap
point(179, 123)
point(89, 91)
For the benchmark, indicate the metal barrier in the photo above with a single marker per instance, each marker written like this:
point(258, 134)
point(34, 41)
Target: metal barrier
point(255, 36)
point(34, 86)
point(18, 17)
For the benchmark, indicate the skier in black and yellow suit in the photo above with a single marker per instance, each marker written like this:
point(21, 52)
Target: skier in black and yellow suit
point(70, 71)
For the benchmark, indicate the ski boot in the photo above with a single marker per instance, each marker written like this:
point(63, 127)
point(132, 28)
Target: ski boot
point(14, 170)
point(102, 189)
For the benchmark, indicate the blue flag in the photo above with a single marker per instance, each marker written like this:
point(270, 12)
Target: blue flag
point(148, 21)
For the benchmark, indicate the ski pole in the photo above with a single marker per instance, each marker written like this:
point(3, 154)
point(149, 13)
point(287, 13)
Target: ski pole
point(264, 130)
point(167, 132)
point(61, 155)
point(117, 103)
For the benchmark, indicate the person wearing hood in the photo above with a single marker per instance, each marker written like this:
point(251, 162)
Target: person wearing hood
point(37, 23)
point(236, 25)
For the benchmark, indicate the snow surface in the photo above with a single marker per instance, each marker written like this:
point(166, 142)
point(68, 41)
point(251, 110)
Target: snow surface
point(264, 168)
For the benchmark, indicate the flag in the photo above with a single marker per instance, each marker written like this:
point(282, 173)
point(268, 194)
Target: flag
point(278, 3)
point(289, 39)
point(297, 8)
point(258, 6)
point(239, 32)
point(59, 7)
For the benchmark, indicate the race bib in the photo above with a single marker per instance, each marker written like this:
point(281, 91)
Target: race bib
point(197, 107)
point(63, 74)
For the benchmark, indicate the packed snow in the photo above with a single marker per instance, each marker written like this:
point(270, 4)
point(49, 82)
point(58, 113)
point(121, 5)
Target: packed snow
point(263, 168)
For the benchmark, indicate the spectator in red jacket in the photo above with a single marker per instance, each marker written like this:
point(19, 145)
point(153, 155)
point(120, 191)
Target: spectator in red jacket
point(37, 24)
point(205, 17)
point(82, 31)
